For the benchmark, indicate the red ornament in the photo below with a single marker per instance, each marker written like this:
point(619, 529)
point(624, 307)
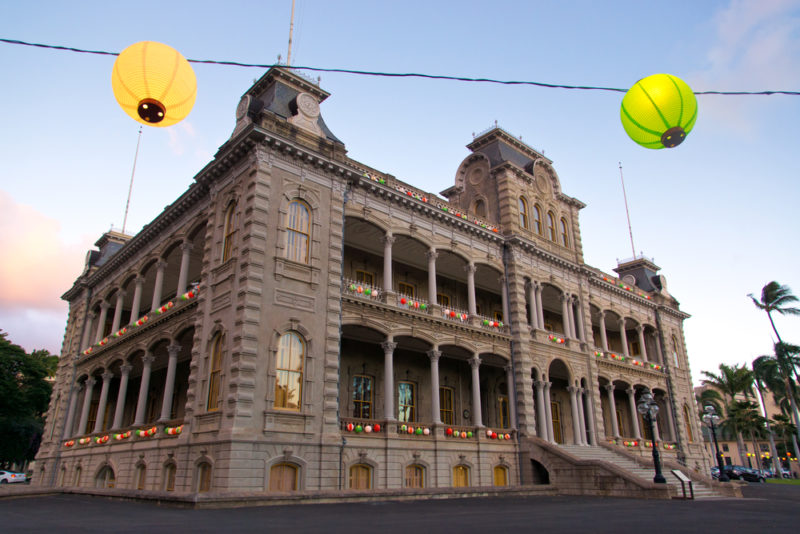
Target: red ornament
point(403, 301)
point(508, 436)
point(376, 428)
point(452, 314)
point(494, 435)
point(449, 432)
point(350, 427)
point(411, 430)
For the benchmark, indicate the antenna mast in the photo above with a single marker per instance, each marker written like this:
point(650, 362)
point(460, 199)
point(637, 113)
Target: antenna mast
point(130, 187)
point(627, 213)
point(291, 27)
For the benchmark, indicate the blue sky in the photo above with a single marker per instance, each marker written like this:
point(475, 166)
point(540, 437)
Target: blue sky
point(716, 213)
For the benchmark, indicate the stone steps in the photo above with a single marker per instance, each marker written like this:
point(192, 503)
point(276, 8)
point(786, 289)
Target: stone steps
point(701, 491)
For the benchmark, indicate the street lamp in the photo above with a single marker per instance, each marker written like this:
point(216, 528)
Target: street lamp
point(649, 410)
point(711, 419)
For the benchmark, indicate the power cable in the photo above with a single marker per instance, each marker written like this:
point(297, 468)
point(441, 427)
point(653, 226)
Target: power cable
point(401, 74)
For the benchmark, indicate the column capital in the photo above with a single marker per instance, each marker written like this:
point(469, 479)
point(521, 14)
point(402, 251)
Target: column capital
point(640, 328)
point(622, 322)
point(508, 368)
point(434, 355)
point(536, 285)
point(187, 246)
point(125, 369)
point(602, 315)
point(388, 346)
point(147, 359)
point(173, 349)
point(90, 382)
point(431, 254)
point(565, 297)
point(105, 305)
point(475, 361)
point(161, 265)
point(388, 239)
point(139, 280)
point(121, 294)
point(107, 376)
point(630, 391)
point(539, 384)
point(547, 385)
point(470, 268)
point(572, 389)
point(609, 387)
point(91, 315)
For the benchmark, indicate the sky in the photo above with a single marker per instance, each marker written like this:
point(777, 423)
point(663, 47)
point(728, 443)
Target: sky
point(716, 213)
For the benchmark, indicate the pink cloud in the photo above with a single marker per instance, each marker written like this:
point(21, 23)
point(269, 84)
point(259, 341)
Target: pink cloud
point(37, 265)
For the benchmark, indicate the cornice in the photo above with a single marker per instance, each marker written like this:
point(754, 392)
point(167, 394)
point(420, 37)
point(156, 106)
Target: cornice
point(531, 248)
point(572, 201)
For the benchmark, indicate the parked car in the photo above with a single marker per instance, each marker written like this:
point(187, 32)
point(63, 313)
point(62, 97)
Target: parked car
point(738, 472)
point(10, 477)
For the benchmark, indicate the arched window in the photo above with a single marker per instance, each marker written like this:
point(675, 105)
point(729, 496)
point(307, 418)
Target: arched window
point(415, 476)
point(169, 477)
point(105, 478)
point(564, 234)
point(77, 476)
point(675, 350)
point(229, 231)
point(460, 476)
point(480, 208)
point(500, 475)
point(63, 477)
point(537, 220)
point(298, 231)
point(289, 372)
point(215, 370)
point(203, 477)
point(141, 476)
point(361, 477)
point(362, 396)
point(687, 417)
point(551, 226)
point(523, 213)
point(283, 477)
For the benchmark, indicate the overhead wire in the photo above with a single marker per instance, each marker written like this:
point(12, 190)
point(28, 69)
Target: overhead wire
point(400, 74)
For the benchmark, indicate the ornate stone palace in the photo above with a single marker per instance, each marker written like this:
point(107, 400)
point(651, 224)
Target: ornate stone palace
point(299, 321)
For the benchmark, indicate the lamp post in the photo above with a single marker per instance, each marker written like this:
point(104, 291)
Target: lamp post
point(711, 419)
point(649, 410)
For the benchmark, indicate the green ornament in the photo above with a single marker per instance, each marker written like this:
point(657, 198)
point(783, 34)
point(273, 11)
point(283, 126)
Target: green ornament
point(659, 111)
point(352, 287)
point(469, 434)
point(418, 431)
point(368, 291)
point(423, 306)
point(359, 428)
point(486, 322)
point(403, 428)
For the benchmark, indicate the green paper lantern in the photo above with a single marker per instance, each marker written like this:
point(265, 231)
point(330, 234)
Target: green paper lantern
point(359, 428)
point(659, 111)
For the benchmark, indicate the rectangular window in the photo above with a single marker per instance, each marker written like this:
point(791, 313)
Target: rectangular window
point(725, 447)
point(405, 289)
point(498, 316)
point(362, 397)
point(555, 409)
point(415, 476)
point(364, 277)
point(442, 300)
point(635, 349)
point(406, 402)
point(90, 422)
point(503, 414)
point(446, 405)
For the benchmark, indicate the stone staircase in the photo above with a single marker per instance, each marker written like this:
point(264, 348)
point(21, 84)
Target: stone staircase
point(701, 491)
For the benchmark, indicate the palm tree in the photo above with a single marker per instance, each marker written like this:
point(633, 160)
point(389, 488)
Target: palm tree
point(743, 416)
point(766, 377)
point(732, 381)
point(776, 298)
point(783, 427)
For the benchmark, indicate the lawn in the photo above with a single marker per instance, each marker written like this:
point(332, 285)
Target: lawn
point(790, 481)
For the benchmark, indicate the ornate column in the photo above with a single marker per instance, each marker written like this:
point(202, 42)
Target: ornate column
point(118, 311)
point(539, 308)
point(565, 315)
point(102, 322)
point(637, 433)
point(144, 386)
point(73, 404)
point(589, 412)
point(159, 285)
point(573, 404)
point(548, 410)
point(640, 331)
point(186, 250)
point(101, 405)
point(670, 421)
point(432, 255)
point(388, 347)
point(571, 307)
point(471, 308)
point(581, 330)
point(87, 330)
point(658, 349)
point(125, 371)
point(624, 336)
point(477, 416)
point(169, 384)
point(541, 417)
point(581, 415)
point(434, 356)
point(533, 320)
point(504, 296)
point(512, 412)
point(388, 239)
point(137, 298)
point(612, 406)
point(603, 335)
point(87, 402)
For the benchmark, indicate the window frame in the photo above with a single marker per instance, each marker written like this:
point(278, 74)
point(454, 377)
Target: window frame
point(363, 469)
point(551, 227)
point(229, 231)
point(359, 404)
point(461, 476)
point(417, 477)
point(279, 468)
point(215, 373)
point(402, 409)
point(443, 300)
point(447, 414)
point(365, 277)
point(203, 477)
point(524, 220)
point(564, 232)
point(297, 227)
point(281, 372)
point(538, 227)
point(406, 289)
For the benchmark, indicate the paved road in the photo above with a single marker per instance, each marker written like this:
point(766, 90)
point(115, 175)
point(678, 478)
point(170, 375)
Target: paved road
point(766, 507)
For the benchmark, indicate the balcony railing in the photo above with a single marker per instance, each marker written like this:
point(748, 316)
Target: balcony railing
point(608, 355)
point(377, 428)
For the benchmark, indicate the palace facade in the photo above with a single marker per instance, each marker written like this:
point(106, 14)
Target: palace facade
point(297, 320)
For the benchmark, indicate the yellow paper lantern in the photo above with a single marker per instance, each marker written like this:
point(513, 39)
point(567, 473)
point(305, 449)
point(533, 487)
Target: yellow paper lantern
point(659, 111)
point(154, 84)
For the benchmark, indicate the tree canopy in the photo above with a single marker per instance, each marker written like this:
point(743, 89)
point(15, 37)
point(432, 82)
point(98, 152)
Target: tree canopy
point(24, 398)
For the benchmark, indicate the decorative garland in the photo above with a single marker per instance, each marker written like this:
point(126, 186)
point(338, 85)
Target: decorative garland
point(88, 351)
point(669, 446)
point(631, 443)
point(173, 430)
point(556, 339)
point(101, 440)
point(648, 444)
point(165, 307)
point(147, 433)
point(495, 435)
point(637, 362)
point(618, 357)
point(413, 304)
point(189, 295)
point(456, 434)
point(626, 288)
point(419, 431)
point(422, 198)
point(495, 324)
point(69, 443)
point(141, 320)
point(103, 341)
point(84, 441)
point(350, 427)
point(122, 435)
point(655, 366)
point(368, 291)
point(452, 314)
point(121, 332)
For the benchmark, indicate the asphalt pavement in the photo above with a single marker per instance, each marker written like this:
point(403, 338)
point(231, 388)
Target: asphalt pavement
point(765, 507)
